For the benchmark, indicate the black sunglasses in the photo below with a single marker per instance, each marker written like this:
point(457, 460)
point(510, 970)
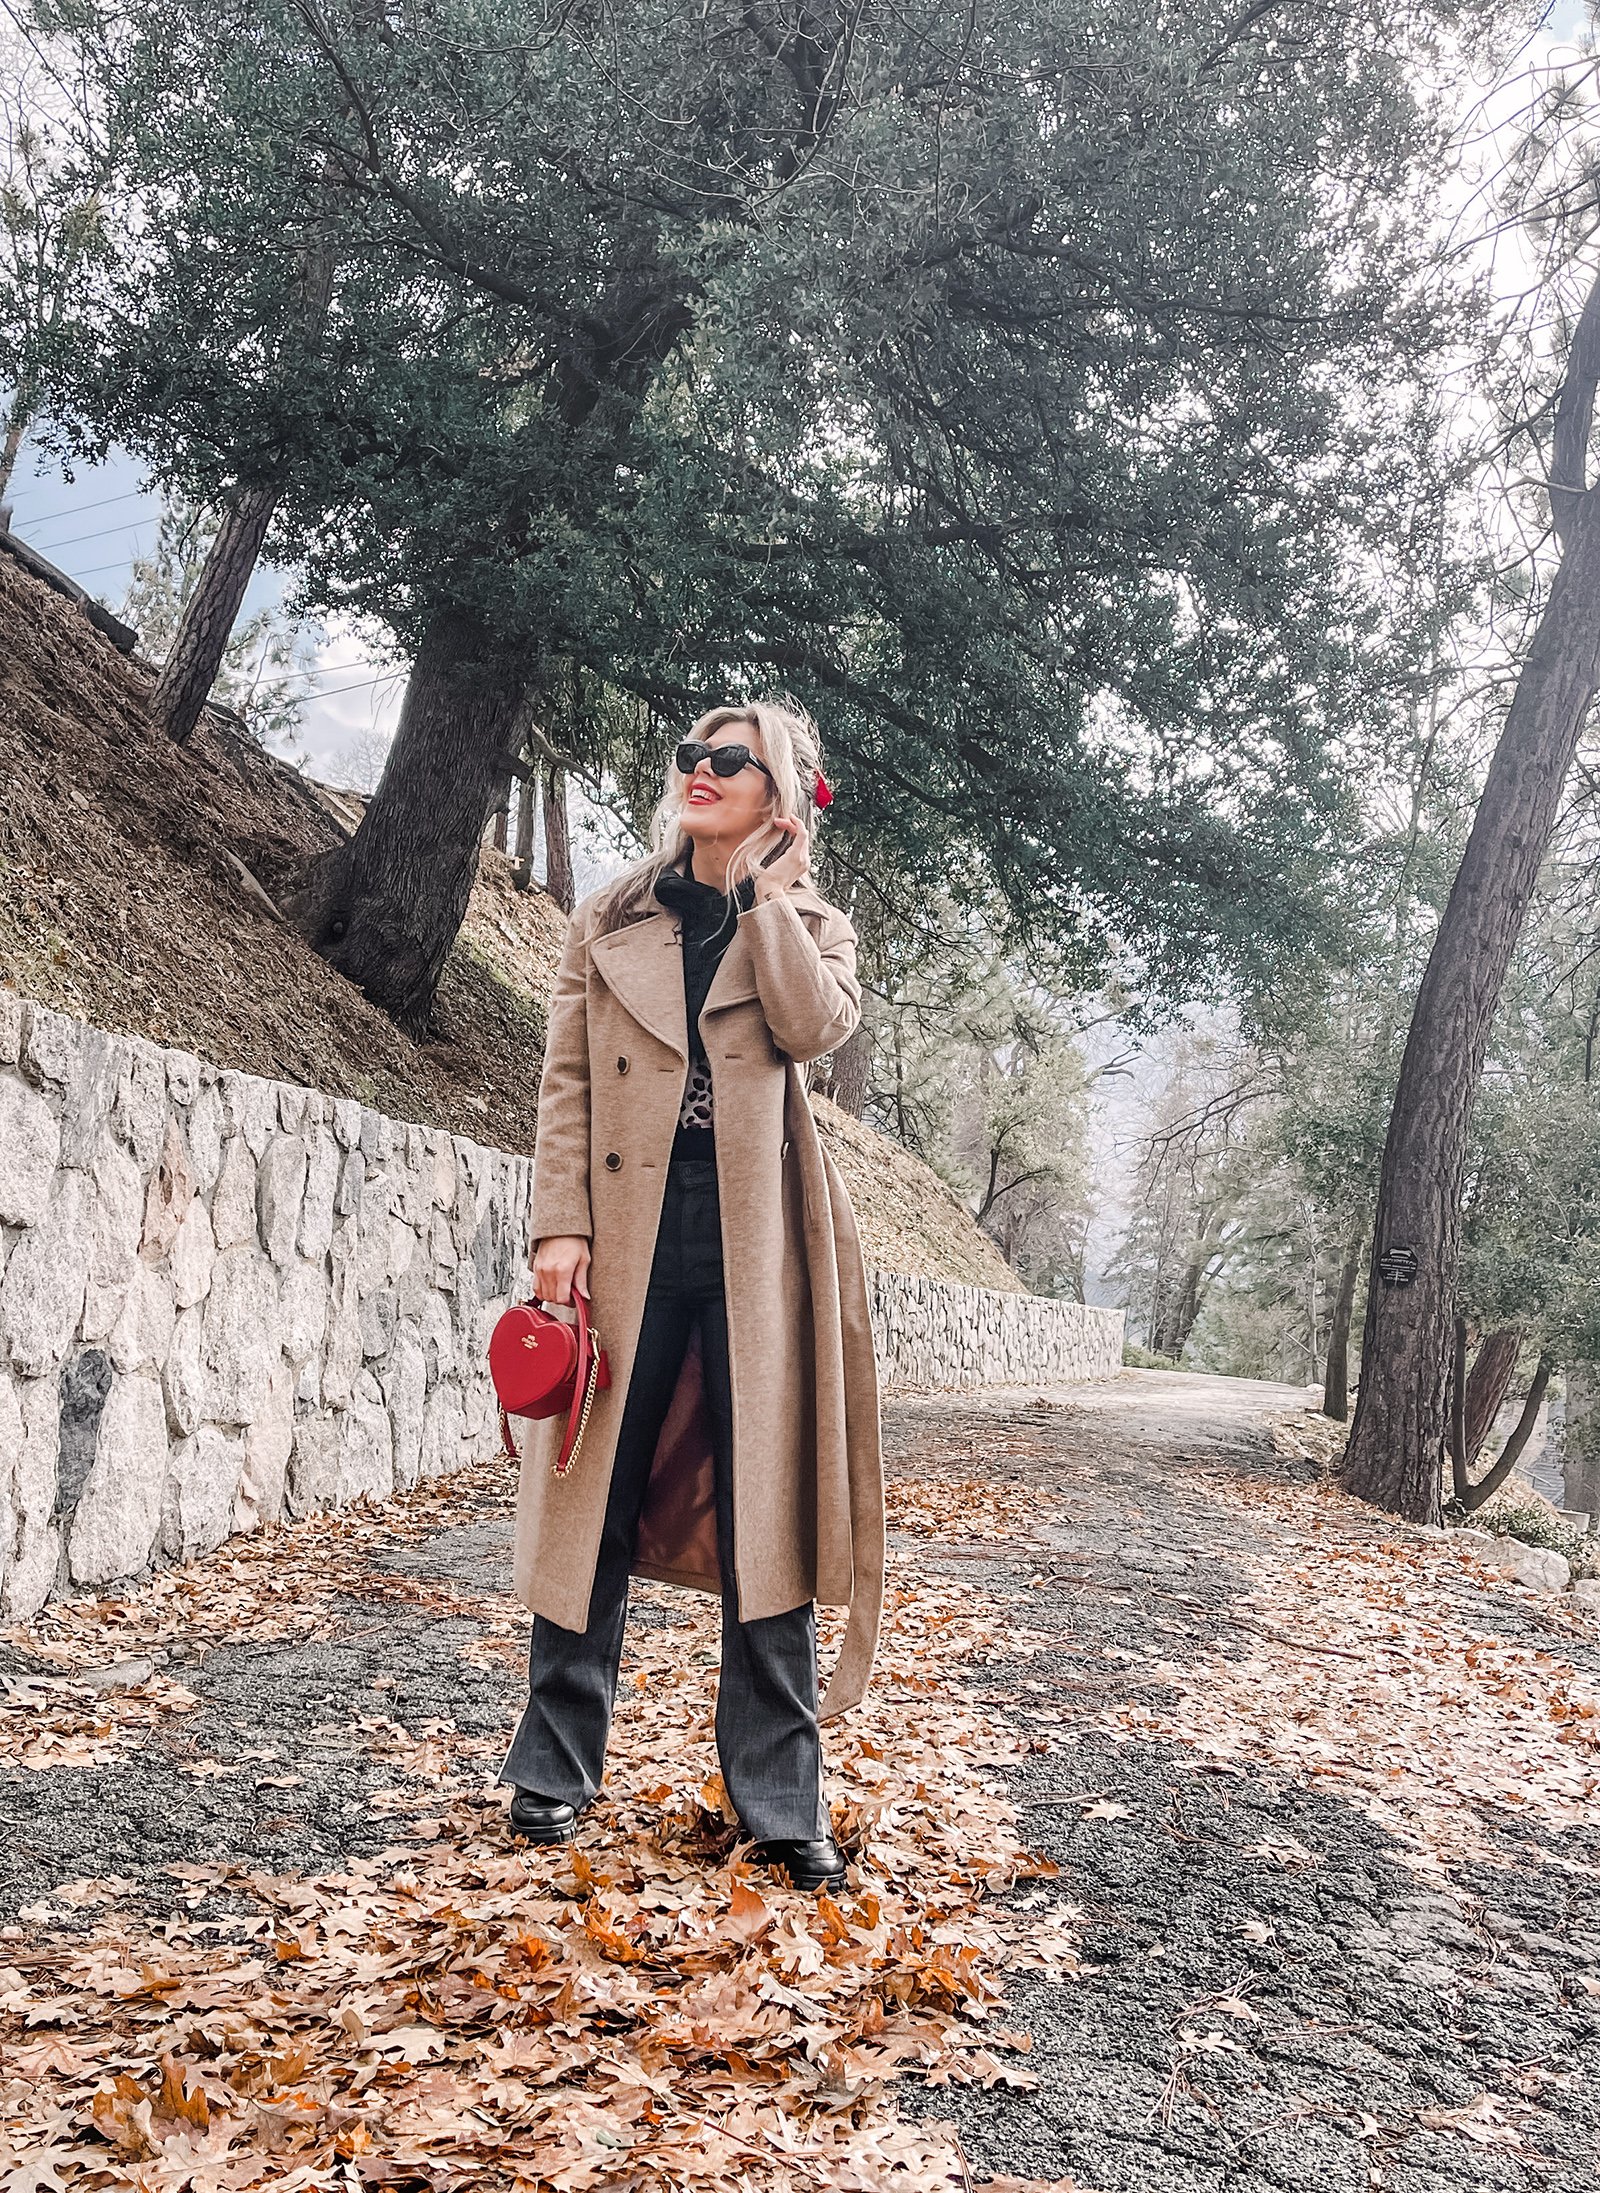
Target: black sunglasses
point(726, 761)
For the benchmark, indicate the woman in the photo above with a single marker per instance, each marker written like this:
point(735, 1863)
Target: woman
point(680, 1185)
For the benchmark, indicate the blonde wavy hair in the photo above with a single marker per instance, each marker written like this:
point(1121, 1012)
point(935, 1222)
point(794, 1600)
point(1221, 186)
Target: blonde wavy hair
point(792, 750)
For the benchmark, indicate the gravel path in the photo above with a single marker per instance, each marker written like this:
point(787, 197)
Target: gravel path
point(1250, 2022)
point(1375, 1999)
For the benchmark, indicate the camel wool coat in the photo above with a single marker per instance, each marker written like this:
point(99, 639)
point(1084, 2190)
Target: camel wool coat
point(807, 1468)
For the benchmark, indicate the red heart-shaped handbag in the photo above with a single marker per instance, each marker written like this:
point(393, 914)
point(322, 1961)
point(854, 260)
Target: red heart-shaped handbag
point(541, 1365)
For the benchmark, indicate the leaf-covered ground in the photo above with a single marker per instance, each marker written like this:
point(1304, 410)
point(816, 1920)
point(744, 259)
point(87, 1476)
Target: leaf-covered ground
point(1205, 1833)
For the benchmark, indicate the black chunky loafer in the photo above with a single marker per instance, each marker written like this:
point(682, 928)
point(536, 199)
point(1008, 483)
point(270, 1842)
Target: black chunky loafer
point(808, 1865)
point(542, 1819)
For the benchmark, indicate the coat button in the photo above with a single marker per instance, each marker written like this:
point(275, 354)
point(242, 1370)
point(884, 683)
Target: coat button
point(622, 1066)
point(613, 1162)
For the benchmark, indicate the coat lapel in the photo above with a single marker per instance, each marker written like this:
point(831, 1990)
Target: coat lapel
point(642, 967)
point(735, 979)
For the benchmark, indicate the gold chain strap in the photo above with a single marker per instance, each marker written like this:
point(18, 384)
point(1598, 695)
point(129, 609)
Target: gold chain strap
point(561, 1468)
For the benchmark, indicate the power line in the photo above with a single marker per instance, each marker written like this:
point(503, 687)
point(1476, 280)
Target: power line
point(134, 494)
point(104, 534)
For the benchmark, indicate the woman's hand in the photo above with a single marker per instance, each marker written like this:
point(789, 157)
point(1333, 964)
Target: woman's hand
point(791, 864)
point(559, 1265)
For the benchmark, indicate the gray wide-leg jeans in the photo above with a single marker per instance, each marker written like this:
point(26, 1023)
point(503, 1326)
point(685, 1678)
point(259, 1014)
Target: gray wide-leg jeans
point(767, 1700)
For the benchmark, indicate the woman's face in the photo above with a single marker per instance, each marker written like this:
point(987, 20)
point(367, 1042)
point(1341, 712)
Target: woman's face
point(725, 810)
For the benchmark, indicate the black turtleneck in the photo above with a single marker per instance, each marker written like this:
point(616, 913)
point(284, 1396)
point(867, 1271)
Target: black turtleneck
point(707, 923)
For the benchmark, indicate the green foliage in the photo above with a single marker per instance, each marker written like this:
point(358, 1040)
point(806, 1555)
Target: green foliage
point(53, 232)
point(1516, 1512)
point(1030, 393)
point(1135, 1358)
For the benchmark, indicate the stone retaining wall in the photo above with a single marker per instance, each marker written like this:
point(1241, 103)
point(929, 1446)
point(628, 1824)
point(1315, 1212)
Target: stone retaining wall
point(224, 1299)
point(932, 1335)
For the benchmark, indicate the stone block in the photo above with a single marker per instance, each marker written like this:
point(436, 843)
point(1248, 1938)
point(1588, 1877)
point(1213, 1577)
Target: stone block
point(250, 1106)
point(233, 1207)
point(118, 1515)
point(49, 1047)
point(438, 1337)
point(42, 1294)
point(312, 1478)
point(303, 1312)
point(11, 1438)
point(89, 1098)
point(347, 1122)
point(344, 1456)
point(322, 1184)
point(291, 1107)
point(444, 1173)
point(280, 1187)
point(442, 1254)
point(142, 1336)
point(167, 1201)
point(185, 1075)
point(413, 1290)
point(239, 1344)
point(183, 1381)
point(139, 1111)
point(113, 1240)
point(405, 1392)
point(30, 1553)
point(377, 1137)
point(30, 1150)
point(375, 1239)
point(379, 1315)
point(193, 1257)
point(84, 1384)
point(352, 1178)
point(269, 1442)
point(443, 1430)
point(208, 1133)
point(197, 1499)
point(10, 1027)
point(1534, 1566)
point(370, 1459)
point(343, 1358)
point(493, 1254)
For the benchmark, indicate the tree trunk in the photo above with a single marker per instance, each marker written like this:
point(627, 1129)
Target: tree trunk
point(1493, 1368)
point(1336, 1379)
point(386, 907)
point(1397, 1441)
point(18, 420)
point(1473, 1497)
point(852, 1069)
point(527, 797)
point(1458, 1409)
point(201, 640)
point(557, 841)
point(502, 813)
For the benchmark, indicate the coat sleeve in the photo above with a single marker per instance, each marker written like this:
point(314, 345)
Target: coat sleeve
point(808, 987)
point(561, 1145)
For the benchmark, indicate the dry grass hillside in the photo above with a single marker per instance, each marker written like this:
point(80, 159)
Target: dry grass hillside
point(909, 1220)
point(122, 902)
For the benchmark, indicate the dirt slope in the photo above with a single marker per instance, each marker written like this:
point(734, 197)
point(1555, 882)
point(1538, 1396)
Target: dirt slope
point(118, 902)
point(909, 1220)
point(121, 903)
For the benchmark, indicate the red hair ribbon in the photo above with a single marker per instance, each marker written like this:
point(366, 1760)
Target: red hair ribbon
point(821, 794)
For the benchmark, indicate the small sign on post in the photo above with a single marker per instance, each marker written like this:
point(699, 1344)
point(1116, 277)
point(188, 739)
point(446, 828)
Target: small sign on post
point(1397, 1266)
